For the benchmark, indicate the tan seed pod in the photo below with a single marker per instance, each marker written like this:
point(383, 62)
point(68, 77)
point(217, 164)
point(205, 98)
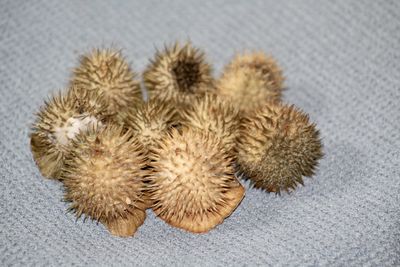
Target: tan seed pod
point(150, 121)
point(87, 101)
point(192, 185)
point(250, 80)
point(57, 123)
point(215, 115)
point(104, 179)
point(178, 71)
point(277, 146)
point(105, 73)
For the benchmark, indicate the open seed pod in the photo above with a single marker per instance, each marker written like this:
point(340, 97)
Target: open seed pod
point(105, 73)
point(250, 80)
point(178, 71)
point(277, 146)
point(150, 121)
point(57, 123)
point(192, 184)
point(215, 115)
point(104, 179)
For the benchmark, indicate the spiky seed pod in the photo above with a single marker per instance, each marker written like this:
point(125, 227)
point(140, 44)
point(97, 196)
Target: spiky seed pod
point(251, 78)
point(215, 115)
point(105, 73)
point(178, 70)
point(87, 101)
point(277, 146)
point(57, 123)
point(104, 179)
point(151, 120)
point(192, 185)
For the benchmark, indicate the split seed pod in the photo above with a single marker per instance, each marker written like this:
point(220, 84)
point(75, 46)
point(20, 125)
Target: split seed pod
point(250, 80)
point(277, 146)
point(106, 73)
point(104, 179)
point(215, 115)
point(178, 71)
point(57, 123)
point(150, 121)
point(192, 185)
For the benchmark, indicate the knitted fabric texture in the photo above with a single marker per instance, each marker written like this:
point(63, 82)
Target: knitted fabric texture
point(341, 62)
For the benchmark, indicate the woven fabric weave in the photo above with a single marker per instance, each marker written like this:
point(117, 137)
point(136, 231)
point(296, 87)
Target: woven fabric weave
point(342, 63)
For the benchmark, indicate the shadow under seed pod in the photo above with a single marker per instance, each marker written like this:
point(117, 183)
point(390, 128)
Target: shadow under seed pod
point(178, 70)
point(57, 124)
point(250, 80)
point(192, 184)
point(104, 179)
point(106, 74)
point(277, 146)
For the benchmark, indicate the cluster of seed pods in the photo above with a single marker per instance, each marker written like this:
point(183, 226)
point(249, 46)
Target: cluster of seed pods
point(180, 152)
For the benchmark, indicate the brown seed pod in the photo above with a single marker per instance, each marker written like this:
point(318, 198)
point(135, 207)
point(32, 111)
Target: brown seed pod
point(57, 123)
point(150, 121)
point(192, 185)
point(215, 115)
point(277, 146)
point(105, 73)
point(251, 78)
point(104, 179)
point(178, 71)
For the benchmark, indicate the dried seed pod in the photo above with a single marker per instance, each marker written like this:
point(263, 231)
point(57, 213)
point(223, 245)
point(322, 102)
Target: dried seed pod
point(151, 120)
point(277, 146)
point(178, 71)
point(87, 101)
point(192, 185)
point(106, 73)
point(215, 115)
point(251, 78)
point(104, 179)
point(57, 123)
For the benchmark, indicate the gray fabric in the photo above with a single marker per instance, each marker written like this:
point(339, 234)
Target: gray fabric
point(341, 59)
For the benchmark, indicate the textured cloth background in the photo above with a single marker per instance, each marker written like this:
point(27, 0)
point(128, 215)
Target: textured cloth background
point(341, 60)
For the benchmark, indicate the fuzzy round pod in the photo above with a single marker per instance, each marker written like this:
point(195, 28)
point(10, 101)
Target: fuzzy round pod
point(277, 146)
point(58, 122)
point(251, 78)
point(178, 71)
point(192, 184)
point(104, 179)
point(215, 115)
point(105, 73)
point(151, 120)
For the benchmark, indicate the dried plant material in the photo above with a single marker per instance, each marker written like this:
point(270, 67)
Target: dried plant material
point(250, 80)
point(126, 226)
point(104, 179)
point(277, 146)
point(215, 115)
point(192, 185)
point(178, 71)
point(57, 124)
point(105, 73)
point(151, 120)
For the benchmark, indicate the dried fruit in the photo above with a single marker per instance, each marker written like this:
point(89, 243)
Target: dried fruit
point(277, 146)
point(215, 115)
point(104, 179)
point(192, 185)
point(150, 121)
point(105, 73)
point(57, 123)
point(178, 71)
point(250, 80)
